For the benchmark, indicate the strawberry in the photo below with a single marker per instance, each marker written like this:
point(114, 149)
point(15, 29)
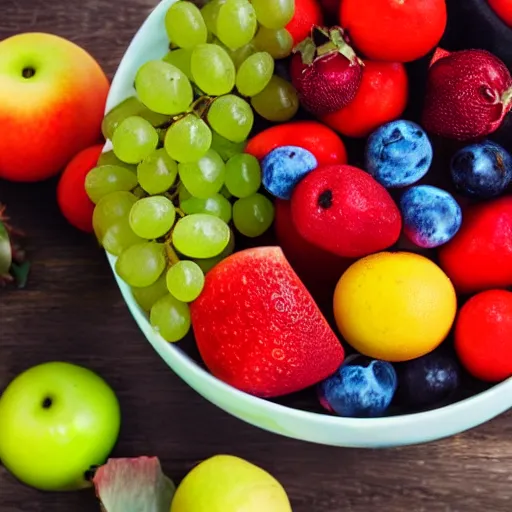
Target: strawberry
point(258, 329)
point(325, 71)
point(469, 92)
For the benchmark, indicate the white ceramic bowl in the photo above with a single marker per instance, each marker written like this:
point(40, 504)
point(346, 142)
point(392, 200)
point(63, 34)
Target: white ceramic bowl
point(151, 43)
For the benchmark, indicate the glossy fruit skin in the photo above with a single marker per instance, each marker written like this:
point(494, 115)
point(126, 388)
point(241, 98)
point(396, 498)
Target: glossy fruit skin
point(382, 97)
point(503, 9)
point(284, 167)
point(361, 388)
point(398, 154)
point(394, 306)
point(73, 201)
point(482, 335)
point(388, 30)
point(307, 14)
point(59, 109)
point(431, 216)
point(319, 270)
point(482, 170)
point(320, 140)
point(278, 345)
point(331, 81)
point(342, 209)
point(428, 380)
point(56, 421)
point(480, 256)
point(230, 484)
point(466, 94)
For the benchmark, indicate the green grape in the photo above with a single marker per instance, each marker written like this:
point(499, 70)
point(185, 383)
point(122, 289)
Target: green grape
point(231, 117)
point(243, 175)
point(157, 172)
point(255, 74)
point(225, 192)
point(152, 217)
point(188, 139)
point(239, 55)
point(109, 158)
point(200, 235)
point(274, 13)
point(208, 263)
point(141, 264)
point(163, 88)
point(236, 23)
point(132, 106)
point(216, 205)
point(278, 102)
point(185, 281)
point(205, 177)
point(134, 140)
point(183, 193)
point(212, 69)
point(119, 236)
point(277, 42)
point(111, 209)
point(225, 147)
point(170, 318)
point(185, 25)
point(181, 59)
point(210, 11)
point(253, 215)
point(147, 296)
point(103, 180)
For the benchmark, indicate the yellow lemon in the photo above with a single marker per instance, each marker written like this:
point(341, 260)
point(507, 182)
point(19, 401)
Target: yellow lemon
point(394, 306)
point(229, 484)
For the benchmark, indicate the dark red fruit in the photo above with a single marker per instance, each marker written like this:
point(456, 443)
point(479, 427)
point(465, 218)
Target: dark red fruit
point(479, 257)
point(342, 209)
point(469, 92)
point(482, 335)
point(325, 71)
point(258, 329)
point(319, 270)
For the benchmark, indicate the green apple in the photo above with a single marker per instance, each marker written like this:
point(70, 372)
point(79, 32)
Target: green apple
point(57, 420)
point(229, 484)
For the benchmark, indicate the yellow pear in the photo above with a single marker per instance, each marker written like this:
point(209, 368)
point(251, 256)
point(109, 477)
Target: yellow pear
point(225, 483)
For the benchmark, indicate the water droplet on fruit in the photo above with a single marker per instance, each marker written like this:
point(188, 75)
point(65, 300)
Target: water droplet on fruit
point(278, 354)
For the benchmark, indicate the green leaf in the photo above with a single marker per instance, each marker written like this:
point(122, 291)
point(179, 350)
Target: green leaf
point(5, 250)
point(133, 485)
point(20, 273)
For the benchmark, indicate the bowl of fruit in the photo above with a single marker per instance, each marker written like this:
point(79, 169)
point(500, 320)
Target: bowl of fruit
point(308, 221)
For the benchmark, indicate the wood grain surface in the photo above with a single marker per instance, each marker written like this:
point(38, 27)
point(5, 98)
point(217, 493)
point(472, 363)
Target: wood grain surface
point(72, 311)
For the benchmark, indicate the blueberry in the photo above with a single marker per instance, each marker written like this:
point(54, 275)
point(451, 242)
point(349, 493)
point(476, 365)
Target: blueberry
point(284, 167)
point(361, 388)
point(427, 380)
point(431, 216)
point(482, 170)
point(398, 154)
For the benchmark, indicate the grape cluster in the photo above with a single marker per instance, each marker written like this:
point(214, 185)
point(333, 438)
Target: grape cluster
point(176, 185)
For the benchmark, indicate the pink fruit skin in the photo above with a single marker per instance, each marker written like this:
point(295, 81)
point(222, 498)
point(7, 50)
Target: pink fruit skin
point(468, 94)
point(258, 329)
point(342, 209)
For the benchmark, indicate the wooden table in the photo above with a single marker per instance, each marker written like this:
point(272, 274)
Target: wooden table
point(72, 310)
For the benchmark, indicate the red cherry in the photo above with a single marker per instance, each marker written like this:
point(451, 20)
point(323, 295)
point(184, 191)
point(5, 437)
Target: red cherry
point(73, 201)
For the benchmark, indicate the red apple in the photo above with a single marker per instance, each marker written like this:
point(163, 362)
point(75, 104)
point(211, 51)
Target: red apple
point(74, 203)
point(52, 97)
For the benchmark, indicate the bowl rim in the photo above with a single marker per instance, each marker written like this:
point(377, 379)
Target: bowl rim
point(360, 431)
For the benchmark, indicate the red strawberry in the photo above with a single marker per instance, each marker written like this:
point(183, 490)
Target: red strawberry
point(258, 329)
point(342, 209)
point(469, 92)
point(479, 257)
point(325, 71)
